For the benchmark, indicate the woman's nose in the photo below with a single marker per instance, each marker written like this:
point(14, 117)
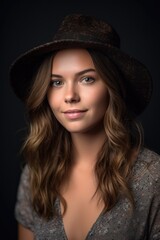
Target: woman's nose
point(72, 94)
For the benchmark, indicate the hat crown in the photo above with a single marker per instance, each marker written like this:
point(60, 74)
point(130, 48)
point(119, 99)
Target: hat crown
point(87, 28)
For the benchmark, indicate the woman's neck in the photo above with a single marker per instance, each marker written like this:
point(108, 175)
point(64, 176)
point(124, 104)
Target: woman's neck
point(86, 146)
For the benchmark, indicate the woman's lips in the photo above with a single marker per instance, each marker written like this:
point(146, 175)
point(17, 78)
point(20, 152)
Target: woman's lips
point(74, 114)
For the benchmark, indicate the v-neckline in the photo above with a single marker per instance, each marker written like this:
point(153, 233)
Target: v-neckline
point(89, 233)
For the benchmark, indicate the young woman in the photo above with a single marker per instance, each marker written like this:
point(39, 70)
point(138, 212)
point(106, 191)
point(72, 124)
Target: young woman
point(87, 174)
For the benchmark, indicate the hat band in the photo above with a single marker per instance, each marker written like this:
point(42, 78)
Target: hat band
point(87, 38)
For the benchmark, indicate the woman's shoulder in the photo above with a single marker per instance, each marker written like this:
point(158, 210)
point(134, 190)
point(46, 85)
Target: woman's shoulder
point(23, 207)
point(148, 158)
point(147, 168)
point(148, 155)
point(24, 177)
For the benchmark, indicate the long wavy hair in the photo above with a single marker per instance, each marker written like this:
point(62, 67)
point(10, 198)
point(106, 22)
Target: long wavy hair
point(48, 145)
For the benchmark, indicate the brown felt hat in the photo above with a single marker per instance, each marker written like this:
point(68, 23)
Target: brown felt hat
point(81, 31)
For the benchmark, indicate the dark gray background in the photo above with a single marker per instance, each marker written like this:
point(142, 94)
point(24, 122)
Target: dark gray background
point(26, 24)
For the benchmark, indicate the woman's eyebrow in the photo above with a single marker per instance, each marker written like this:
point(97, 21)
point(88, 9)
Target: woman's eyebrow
point(77, 74)
point(56, 75)
point(85, 71)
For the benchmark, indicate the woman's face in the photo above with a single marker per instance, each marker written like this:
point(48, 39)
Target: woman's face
point(77, 95)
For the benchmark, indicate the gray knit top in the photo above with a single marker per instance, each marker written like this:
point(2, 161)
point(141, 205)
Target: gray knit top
point(120, 223)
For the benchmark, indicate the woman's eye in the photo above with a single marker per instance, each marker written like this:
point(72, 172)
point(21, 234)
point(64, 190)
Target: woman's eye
point(56, 83)
point(87, 80)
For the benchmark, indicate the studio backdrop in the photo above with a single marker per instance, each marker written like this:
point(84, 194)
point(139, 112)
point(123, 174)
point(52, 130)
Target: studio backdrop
point(26, 24)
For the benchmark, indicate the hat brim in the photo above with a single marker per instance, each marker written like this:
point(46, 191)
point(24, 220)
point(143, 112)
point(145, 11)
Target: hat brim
point(137, 77)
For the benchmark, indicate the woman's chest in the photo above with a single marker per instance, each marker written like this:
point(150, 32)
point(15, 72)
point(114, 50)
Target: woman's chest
point(83, 205)
point(83, 210)
point(119, 223)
